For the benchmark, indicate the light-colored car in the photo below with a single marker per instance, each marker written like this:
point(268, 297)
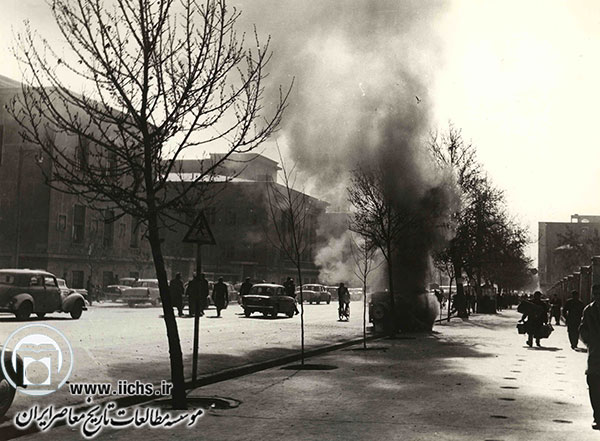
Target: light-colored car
point(142, 291)
point(114, 292)
point(270, 299)
point(25, 291)
point(314, 293)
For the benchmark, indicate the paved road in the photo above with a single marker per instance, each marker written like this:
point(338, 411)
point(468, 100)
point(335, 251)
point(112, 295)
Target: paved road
point(469, 380)
point(112, 341)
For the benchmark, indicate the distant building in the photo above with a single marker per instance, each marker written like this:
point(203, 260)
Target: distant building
point(558, 257)
point(43, 228)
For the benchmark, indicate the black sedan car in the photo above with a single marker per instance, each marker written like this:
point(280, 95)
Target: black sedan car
point(270, 299)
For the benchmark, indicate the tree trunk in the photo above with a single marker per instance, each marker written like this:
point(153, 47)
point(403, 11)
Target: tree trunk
point(301, 314)
point(175, 355)
point(365, 312)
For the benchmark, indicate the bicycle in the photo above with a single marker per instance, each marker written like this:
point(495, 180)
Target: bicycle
point(344, 312)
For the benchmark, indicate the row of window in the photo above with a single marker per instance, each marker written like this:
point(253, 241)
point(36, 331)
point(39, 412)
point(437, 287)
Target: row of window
point(108, 231)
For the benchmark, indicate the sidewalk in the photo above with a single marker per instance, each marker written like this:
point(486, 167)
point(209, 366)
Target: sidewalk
point(469, 380)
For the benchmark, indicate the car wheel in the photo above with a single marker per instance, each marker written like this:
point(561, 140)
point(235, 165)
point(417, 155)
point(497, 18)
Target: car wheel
point(275, 312)
point(41, 314)
point(7, 395)
point(290, 313)
point(329, 300)
point(265, 313)
point(131, 304)
point(247, 312)
point(156, 302)
point(318, 302)
point(77, 310)
point(24, 311)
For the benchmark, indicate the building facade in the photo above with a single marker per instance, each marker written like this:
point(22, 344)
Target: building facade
point(43, 228)
point(565, 246)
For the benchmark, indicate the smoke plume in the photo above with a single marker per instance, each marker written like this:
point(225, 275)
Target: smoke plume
point(361, 71)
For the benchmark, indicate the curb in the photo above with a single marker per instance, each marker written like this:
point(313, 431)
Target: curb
point(11, 432)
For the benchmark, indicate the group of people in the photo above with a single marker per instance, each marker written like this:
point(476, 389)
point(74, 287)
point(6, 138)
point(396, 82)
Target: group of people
point(582, 322)
point(197, 292)
point(535, 317)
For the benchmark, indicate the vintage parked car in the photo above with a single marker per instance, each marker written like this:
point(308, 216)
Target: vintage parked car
point(314, 293)
point(65, 290)
point(114, 292)
point(414, 313)
point(7, 390)
point(142, 291)
point(270, 299)
point(25, 291)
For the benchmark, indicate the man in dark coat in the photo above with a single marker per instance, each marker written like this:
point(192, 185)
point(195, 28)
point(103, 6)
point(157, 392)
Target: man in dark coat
point(573, 311)
point(193, 294)
point(219, 295)
point(203, 283)
point(590, 335)
point(289, 288)
point(535, 315)
point(176, 290)
point(245, 288)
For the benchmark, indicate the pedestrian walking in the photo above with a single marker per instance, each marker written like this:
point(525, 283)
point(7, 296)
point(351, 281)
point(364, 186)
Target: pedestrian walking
point(203, 285)
point(590, 335)
point(289, 288)
point(535, 316)
point(193, 294)
point(572, 312)
point(245, 288)
point(219, 295)
point(555, 308)
point(344, 302)
point(176, 290)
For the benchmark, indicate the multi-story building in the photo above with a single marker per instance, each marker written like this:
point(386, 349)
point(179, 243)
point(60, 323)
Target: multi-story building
point(41, 227)
point(564, 246)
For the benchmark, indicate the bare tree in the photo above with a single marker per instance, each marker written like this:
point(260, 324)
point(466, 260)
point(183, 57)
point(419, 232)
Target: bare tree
point(363, 253)
point(450, 152)
point(377, 217)
point(290, 212)
point(162, 78)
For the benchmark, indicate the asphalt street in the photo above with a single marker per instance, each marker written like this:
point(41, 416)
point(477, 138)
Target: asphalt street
point(469, 380)
point(113, 342)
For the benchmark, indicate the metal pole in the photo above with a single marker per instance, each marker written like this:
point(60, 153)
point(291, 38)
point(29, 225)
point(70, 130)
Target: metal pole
point(196, 317)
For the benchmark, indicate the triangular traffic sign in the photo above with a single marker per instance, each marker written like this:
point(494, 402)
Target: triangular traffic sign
point(200, 232)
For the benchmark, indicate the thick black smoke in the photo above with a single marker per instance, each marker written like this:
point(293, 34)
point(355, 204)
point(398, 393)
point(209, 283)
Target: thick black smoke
point(362, 72)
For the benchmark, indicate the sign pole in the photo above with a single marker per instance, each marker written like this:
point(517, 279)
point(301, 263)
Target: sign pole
point(196, 318)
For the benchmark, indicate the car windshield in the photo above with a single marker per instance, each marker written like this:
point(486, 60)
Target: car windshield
point(62, 283)
point(262, 290)
point(312, 287)
point(146, 284)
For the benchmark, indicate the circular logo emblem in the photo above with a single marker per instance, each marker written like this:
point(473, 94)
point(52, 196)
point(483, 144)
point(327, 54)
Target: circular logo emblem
point(41, 357)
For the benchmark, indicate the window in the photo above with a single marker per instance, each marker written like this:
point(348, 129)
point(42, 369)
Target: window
point(78, 223)
point(109, 227)
point(134, 240)
point(61, 223)
point(122, 229)
point(94, 227)
point(49, 281)
point(107, 278)
point(83, 152)
point(77, 279)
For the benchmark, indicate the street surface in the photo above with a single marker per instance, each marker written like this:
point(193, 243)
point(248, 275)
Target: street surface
point(113, 342)
point(469, 380)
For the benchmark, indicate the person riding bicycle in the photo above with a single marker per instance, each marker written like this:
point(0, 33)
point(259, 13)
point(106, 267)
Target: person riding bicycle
point(344, 301)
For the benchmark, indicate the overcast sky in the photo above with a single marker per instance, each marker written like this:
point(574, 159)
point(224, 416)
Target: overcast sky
point(519, 78)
